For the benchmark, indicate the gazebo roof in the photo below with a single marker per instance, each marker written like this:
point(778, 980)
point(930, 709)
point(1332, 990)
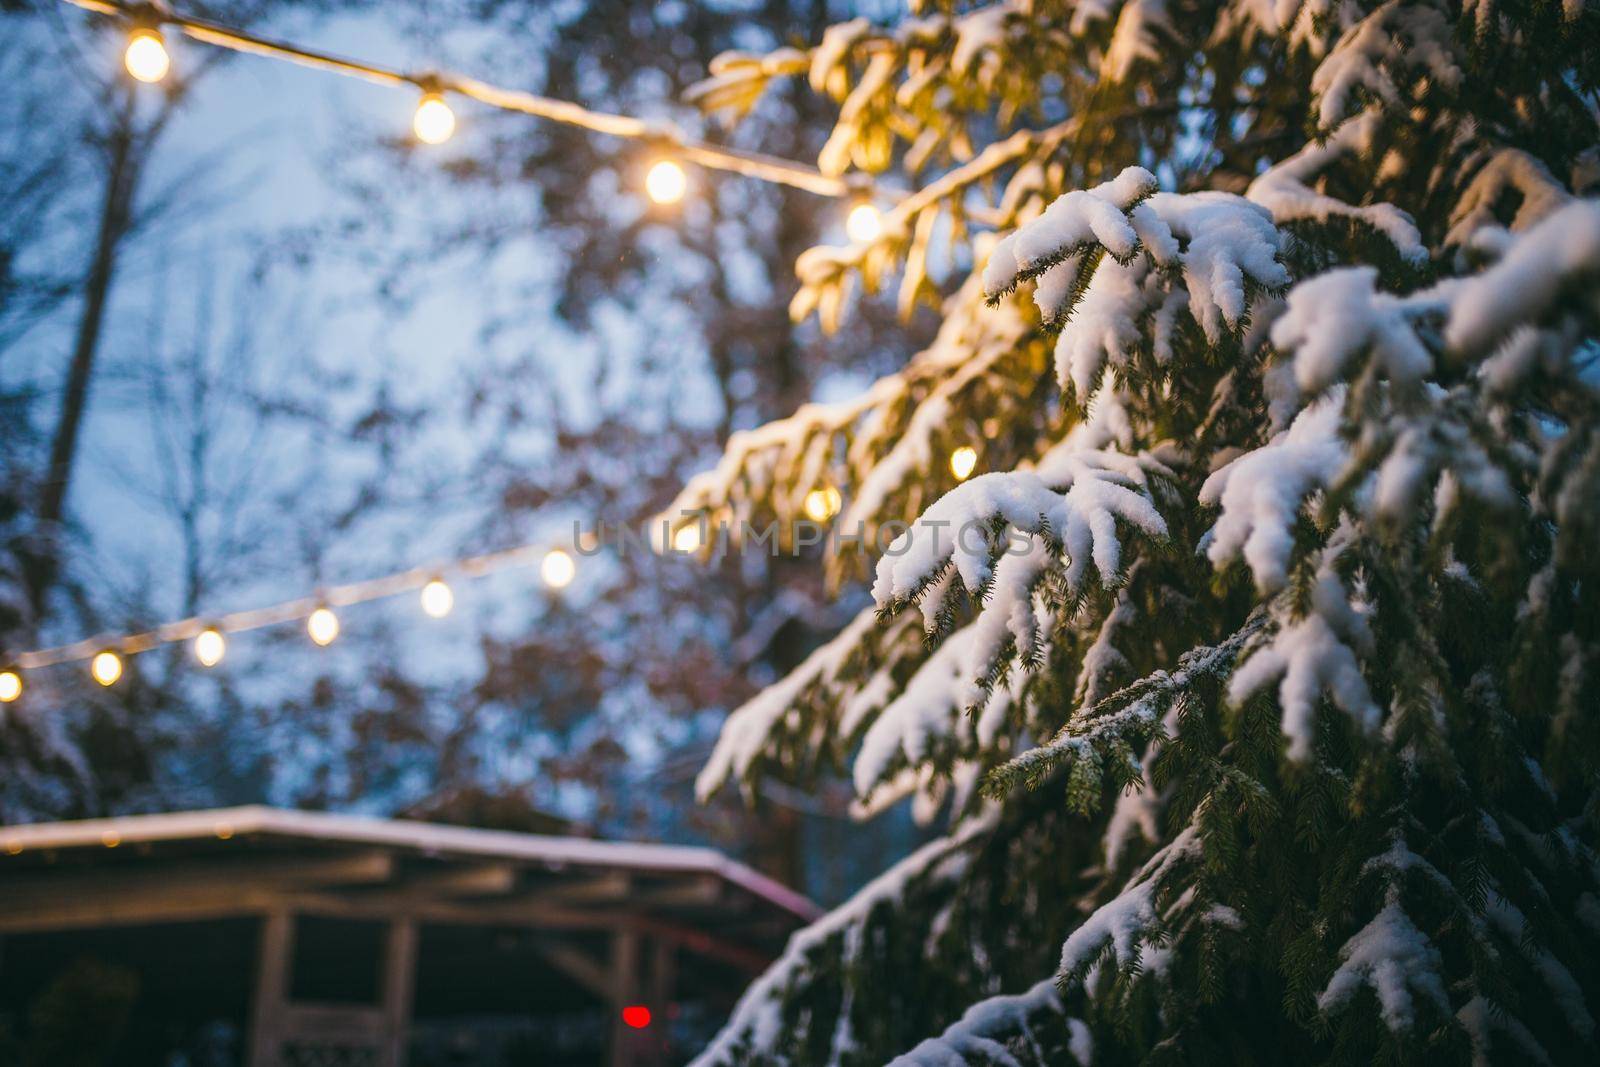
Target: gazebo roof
point(247, 860)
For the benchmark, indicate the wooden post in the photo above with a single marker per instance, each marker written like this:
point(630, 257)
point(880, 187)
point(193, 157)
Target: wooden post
point(663, 978)
point(267, 1014)
point(399, 986)
point(624, 985)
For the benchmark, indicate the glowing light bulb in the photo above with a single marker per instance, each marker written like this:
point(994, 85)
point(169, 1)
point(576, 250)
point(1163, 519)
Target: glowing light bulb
point(823, 504)
point(437, 599)
point(323, 626)
point(686, 539)
point(106, 667)
point(110, 839)
point(864, 223)
point(146, 57)
point(558, 569)
point(636, 1016)
point(434, 122)
point(666, 182)
point(10, 686)
point(210, 646)
point(963, 461)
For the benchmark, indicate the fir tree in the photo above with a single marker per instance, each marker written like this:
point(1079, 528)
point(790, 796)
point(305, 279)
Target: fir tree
point(1259, 676)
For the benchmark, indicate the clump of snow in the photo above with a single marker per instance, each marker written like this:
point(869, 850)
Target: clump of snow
point(1287, 188)
point(1332, 317)
point(1540, 263)
point(1075, 222)
point(1313, 655)
point(1262, 491)
point(1502, 171)
point(966, 527)
point(1221, 246)
point(1141, 27)
point(1396, 37)
point(1396, 959)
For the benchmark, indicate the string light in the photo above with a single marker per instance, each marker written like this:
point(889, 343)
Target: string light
point(210, 646)
point(686, 539)
point(666, 181)
point(434, 122)
point(963, 461)
point(106, 667)
point(146, 57)
point(823, 504)
point(149, 61)
point(323, 626)
point(437, 599)
point(10, 686)
point(558, 569)
point(864, 223)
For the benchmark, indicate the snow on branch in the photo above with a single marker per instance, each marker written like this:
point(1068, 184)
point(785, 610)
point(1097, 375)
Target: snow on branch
point(1557, 257)
point(984, 1030)
point(1130, 921)
point(1310, 655)
point(1125, 718)
point(1224, 250)
point(929, 715)
point(748, 732)
point(890, 430)
point(967, 528)
point(1060, 244)
point(1397, 41)
point(1333, 317)
point(1287, 188)
point(757, 1022)
point(1396, 959)
point(1261, 492)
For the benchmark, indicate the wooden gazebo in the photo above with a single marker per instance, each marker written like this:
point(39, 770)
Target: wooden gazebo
point(335, 939)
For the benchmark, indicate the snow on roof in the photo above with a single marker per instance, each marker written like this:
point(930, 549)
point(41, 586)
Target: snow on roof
point(427, 838)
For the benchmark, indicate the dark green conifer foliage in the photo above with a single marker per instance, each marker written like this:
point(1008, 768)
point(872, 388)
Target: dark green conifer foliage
point(1262, 695)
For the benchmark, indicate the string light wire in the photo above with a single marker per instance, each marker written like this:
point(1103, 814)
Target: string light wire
point(331, 597)
point(149, 17)
point(755, 165)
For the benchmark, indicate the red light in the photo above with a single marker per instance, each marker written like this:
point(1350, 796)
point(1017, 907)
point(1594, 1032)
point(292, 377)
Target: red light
point(636, 1016)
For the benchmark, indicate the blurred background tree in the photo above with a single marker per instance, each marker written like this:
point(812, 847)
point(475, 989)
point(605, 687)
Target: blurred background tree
point(405, 355)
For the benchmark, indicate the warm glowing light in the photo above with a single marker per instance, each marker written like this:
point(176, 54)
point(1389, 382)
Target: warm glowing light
point(636, 1016)
point(209, 646)
point(864, 223)
point(106, 667)
point(963, 461)
point(666, 182)
point(224, 830)
point(437, 599)
point(558, 569)
point(323, 626)
point(823, 504)
point(686, 539)
point(434, 122)
point(111, 839)
point(10, 686)
point(146, 57)
point(14, 847)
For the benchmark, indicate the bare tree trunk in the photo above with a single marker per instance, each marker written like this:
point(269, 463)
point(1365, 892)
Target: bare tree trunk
point(115, 213)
